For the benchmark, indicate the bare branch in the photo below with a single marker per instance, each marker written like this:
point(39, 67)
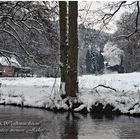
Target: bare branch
point(109, 16)
point(136, 25)
point(130, 4)
point(9, 52)
point(3, 54)
point(22, 47)
point(16, 40)
point(15, 31)
point(30, 28)
point(87, 11)
point(33, 28)
point(12, 20)
point(105, 87)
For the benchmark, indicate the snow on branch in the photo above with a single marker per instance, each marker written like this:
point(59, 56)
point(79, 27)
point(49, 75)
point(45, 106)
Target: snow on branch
point(8, 52)
point(112, 54)
point(33, 28)
point(15, 15)
point(15, 31)
point(3, 54)
point(23, 48)
point(27, 53)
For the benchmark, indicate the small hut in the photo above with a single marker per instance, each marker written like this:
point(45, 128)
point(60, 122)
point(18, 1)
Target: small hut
point(10, 67)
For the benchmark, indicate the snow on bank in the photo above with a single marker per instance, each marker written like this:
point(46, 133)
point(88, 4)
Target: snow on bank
point(42, 92)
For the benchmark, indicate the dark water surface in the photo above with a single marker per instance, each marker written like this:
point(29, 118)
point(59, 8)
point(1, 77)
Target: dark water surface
point(26, 123)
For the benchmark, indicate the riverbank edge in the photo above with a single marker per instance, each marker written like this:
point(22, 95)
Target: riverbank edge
point(96, 109)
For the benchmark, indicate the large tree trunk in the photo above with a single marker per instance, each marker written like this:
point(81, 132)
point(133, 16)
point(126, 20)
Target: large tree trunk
point(72, 82)
point(63, 39)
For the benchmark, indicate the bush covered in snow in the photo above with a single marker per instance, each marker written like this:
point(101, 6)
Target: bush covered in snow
point(112, 54)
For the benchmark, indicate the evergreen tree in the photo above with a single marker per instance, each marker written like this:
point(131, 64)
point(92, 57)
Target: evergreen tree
point(88, 62)
point(100, 63)
point(94, 61)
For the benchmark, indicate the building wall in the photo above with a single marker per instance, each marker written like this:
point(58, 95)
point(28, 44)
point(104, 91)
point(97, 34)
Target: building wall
point(0, 70)
point(7, 70)
point(10, 71)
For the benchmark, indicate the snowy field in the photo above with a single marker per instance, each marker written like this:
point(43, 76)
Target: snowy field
point(119, 90)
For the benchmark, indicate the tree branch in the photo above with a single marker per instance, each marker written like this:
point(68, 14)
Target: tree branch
point(5, 57)
point(105, 87)
point(22, 47)
point(9, 52)
point(136, 25)
point(110, 15)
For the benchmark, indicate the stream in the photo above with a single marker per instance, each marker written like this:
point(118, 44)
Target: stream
point(17, 123)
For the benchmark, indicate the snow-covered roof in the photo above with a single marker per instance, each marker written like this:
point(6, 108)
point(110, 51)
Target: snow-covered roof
point(9, 61)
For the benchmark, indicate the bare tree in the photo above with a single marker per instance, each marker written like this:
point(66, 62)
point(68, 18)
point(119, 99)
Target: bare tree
point(130, 45)
point(72, 81)
point(63, 39)
point(25, 24)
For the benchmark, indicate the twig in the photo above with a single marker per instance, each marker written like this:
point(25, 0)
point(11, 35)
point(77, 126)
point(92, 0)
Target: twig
point(136, 25)
point(9, 52)
point(87, 11)
point(110, 15)
point(55, 80)
point(105, 87)
point(22, 47)
point(5, 57)
point(131, 108)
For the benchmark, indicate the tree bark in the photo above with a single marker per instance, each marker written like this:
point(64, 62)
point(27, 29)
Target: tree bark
point(72, 82)
point(63, 39)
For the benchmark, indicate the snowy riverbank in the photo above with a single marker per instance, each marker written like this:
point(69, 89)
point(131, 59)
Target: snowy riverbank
point(123, 92)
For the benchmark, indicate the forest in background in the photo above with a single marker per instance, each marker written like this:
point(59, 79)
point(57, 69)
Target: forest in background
point(34, 26)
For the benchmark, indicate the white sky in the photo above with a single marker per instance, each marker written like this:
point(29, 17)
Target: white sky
point(95, 9)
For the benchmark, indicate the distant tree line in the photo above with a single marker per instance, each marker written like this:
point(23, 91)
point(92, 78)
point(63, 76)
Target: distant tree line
point(129, 45)
point(94, 61)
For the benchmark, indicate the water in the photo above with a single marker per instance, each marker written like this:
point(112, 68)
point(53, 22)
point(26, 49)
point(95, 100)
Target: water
point(36, 123)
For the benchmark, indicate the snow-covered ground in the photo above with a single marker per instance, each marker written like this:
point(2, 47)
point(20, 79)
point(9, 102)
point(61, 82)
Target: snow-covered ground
point(123, 92)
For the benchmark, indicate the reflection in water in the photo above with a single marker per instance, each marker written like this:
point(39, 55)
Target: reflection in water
point(47, 124)
point(70, 127)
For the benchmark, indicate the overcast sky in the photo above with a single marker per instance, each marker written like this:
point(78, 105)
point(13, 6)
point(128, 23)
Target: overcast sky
point(94, 10)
